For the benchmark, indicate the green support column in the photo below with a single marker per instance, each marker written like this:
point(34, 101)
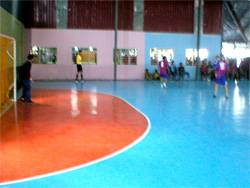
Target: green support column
point(61, 14)
point(138, 15)
point(198, 29)
point(115, 39)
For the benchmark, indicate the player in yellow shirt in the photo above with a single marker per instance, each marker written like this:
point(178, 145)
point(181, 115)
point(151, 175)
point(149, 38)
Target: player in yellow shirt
point(79, 66)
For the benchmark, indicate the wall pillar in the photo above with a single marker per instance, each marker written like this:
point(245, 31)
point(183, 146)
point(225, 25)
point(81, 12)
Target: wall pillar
point(61, 14)
point(198, 30)
point(138, 15)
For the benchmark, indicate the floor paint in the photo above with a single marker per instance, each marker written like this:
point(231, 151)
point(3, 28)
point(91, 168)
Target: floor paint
point(195, 140)
point(64, 129)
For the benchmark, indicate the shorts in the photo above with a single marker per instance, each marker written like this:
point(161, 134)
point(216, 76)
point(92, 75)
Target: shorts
point(221, 80)
point(79, 68)
point(164, 76)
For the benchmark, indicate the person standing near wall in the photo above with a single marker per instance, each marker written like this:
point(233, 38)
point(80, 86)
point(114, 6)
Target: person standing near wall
point(79, 66)
point(26, 79)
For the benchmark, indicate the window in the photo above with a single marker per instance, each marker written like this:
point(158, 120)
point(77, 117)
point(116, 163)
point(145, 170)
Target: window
point(156, 55)
point(238, 51)
point(88, 55)
point(44, 55)
point(191, 55)
point(126, 56)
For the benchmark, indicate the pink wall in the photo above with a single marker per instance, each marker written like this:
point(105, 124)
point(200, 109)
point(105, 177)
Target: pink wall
point(131, 40)
point(27, 43)
point(65, 39)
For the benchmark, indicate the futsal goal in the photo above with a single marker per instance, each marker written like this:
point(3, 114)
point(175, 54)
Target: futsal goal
point(7, 72)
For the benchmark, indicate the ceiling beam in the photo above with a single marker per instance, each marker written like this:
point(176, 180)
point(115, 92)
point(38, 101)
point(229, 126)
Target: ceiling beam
point(236, 20)
point(247, 25)
point(245, 13)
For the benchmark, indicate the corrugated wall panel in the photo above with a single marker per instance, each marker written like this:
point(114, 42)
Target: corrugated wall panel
point(169, 16)
point(93, 14)
point(44, 14)
point(159, 15)
point(212, 17)
point(99, 14)
point(126, 13)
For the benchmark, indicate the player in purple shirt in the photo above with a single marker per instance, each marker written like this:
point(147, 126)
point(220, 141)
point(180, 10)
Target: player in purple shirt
point(221, 68)
point(163, 66)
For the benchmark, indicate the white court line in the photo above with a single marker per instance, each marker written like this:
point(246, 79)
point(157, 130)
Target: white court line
point(97, 160)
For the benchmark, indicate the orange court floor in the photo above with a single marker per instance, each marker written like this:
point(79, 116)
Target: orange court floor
point(63, 129)
point(120, 134)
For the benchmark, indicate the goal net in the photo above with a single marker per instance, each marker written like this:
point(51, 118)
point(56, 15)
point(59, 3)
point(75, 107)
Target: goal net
point(7, 73)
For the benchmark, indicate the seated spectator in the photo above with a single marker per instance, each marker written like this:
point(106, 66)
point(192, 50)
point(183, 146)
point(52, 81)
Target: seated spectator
point(181, 71)
point(147, 75)
point(233, 71)
point(210, 71)
point(203, 70)
point(156, 75)
point(244, 69)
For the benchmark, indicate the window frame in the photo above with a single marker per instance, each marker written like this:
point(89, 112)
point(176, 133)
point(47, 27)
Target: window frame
point(83, 50)
point(38, 57)
point(131, 56)
point(155, 57)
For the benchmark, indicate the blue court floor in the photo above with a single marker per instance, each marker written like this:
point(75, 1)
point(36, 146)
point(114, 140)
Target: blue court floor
point(195, 140)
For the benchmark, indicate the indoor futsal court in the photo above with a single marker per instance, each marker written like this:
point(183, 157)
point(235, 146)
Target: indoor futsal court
point(99, 134)
point(124, 94)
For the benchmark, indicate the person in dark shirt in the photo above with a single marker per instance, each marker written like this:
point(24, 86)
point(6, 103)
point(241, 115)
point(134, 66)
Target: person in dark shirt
point(26, 79)
point(181, 71)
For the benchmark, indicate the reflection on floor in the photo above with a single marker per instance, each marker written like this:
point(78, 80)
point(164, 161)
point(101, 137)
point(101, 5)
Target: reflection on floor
point(195, 140)
point(63, 129)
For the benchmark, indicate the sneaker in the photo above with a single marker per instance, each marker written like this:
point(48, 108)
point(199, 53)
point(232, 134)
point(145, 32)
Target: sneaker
point(22, 99)
point(29, 101)
point(76, 81)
